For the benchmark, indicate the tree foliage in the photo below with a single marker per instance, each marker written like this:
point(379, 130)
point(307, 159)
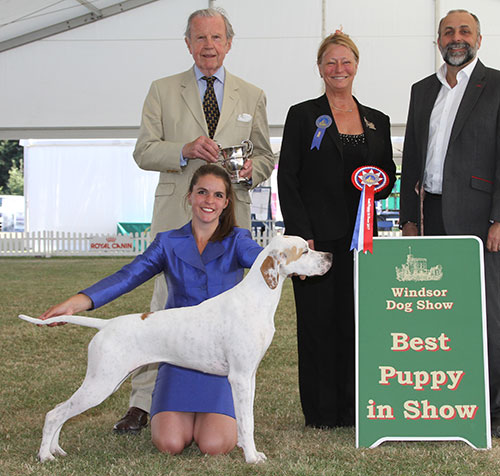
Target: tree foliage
point(11, 168)
point(15, 184)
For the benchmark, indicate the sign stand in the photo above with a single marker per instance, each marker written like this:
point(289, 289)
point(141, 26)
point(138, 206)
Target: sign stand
point(421, 353)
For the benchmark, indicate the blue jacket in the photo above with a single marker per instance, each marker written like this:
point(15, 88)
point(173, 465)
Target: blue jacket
point(192, 278)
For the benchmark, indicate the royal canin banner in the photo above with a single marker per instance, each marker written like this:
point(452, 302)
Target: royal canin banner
point(111, 243)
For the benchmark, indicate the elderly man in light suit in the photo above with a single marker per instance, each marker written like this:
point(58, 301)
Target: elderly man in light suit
point(451, 163)
point(175, 139)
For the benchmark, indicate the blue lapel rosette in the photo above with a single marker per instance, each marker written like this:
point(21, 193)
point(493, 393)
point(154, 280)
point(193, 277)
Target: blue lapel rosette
point(322, 123)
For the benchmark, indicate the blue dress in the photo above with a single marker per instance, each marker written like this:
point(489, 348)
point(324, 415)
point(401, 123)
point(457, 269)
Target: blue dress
point(191, 278)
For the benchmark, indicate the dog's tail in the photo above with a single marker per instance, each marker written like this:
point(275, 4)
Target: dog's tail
point(80, 320)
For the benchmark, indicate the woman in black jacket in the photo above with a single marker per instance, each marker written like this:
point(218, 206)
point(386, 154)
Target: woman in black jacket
point(324, 141)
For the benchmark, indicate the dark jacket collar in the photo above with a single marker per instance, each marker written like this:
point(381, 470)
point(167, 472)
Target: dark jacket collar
point(472, 93)
point(474, 89)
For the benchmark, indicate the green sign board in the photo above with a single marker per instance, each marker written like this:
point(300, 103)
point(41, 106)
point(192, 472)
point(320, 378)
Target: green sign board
point(421, 342)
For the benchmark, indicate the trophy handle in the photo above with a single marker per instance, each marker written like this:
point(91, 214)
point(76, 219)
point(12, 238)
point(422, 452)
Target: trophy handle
point(220, 158)
point(249, 146)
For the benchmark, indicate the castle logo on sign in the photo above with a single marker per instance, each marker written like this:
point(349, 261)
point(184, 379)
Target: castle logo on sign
point(415, 269)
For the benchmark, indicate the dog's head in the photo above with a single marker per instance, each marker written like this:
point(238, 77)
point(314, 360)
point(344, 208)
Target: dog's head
point(291, 255)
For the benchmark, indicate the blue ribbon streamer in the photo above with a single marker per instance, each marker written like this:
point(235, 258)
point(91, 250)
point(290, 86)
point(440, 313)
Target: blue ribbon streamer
point(318, 137)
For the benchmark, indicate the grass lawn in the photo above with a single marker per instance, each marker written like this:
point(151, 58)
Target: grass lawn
point(44, 366)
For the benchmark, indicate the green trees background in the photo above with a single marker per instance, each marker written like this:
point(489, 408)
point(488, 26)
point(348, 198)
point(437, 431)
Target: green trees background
point(11, 168)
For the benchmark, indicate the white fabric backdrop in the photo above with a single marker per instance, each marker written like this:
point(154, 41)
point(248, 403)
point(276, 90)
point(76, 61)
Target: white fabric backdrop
point(85, 185)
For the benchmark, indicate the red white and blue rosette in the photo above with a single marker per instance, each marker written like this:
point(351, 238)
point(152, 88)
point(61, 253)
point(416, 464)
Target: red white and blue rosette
point(369, 180)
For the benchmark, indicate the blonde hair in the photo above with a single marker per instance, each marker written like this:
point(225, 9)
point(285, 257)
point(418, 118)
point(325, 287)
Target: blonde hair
point(337, 38)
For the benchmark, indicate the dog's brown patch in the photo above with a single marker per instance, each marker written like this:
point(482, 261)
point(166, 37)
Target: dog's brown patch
point(145, 315)
point(291, 254)
point(269, 270)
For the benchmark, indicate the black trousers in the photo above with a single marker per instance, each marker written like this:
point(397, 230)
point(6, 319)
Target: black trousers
point(325, 336)
point(433, 225)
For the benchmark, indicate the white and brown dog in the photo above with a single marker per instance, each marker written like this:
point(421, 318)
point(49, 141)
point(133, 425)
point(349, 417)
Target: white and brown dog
point(226, 335)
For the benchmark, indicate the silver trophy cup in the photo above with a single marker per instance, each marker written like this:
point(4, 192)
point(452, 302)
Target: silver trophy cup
point(232, 159)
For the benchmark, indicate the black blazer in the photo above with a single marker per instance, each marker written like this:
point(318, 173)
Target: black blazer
point(311, 182)
point(471, 176)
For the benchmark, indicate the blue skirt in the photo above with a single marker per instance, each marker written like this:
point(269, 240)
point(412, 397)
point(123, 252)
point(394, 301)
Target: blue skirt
point(178, 389)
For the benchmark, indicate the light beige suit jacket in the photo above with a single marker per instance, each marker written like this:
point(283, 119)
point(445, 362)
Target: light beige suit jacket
point(173, 116)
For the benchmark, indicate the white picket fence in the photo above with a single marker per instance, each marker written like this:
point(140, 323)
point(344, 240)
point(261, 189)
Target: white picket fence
point(53, 243)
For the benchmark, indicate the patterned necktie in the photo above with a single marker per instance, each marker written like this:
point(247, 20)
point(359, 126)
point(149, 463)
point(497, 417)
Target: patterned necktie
point(210, 106)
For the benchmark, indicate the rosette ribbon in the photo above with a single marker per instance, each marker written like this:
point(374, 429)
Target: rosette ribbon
point(322, 124)
point(369, 180)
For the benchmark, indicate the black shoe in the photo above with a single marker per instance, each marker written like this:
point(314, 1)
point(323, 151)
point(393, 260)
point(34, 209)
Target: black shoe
point(495, 426)
point(320, 425)
point(133, 422)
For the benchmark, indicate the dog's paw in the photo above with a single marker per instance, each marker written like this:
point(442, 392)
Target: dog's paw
point(261, 457)
point(45, 456)
point(58, 451)
point(256, 458)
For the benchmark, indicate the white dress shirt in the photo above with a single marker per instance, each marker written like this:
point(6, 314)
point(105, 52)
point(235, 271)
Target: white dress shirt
point(441, 123)
point(220, 76)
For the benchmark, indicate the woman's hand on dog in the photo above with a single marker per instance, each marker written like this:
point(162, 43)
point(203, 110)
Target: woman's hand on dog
point(76, 303)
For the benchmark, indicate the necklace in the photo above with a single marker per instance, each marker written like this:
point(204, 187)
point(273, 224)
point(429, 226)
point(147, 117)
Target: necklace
point(342, 110)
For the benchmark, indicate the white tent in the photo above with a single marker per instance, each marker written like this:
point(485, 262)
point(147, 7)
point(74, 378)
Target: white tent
point(91, 81)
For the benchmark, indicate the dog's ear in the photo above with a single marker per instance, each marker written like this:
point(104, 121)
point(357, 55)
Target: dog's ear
point(269, 270)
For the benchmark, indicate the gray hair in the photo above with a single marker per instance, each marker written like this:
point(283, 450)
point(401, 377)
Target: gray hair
point(210, 12)
point(460, 10)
